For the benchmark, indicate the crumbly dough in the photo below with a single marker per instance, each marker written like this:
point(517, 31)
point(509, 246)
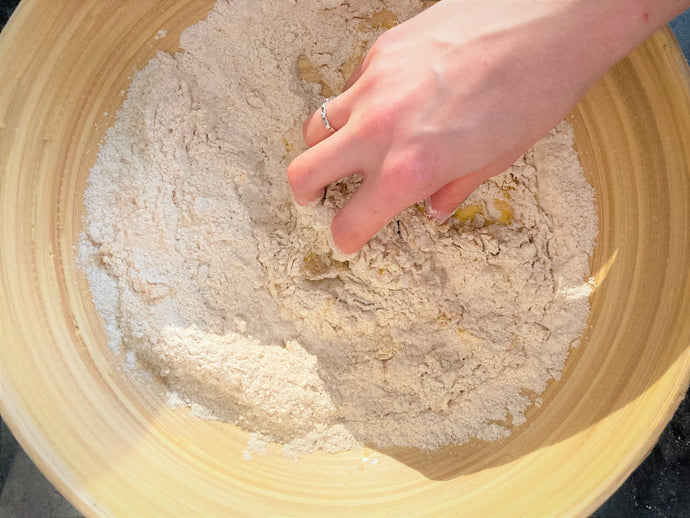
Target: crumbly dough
point(204, 269)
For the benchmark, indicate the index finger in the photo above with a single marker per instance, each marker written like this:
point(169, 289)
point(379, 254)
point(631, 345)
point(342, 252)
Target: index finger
point(370, 209)
point(334, 158)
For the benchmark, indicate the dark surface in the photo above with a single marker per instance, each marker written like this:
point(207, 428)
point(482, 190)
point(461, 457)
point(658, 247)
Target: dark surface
point(659, 488)
point(8, 449)
point(681, 28)
point(6, 8)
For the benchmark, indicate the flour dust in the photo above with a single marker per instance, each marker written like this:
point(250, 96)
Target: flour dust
point(207, 274)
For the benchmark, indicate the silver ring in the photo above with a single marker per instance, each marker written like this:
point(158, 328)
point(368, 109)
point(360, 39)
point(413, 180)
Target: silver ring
point(324, 119)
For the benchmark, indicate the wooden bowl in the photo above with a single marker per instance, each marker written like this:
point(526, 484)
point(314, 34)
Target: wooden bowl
point(114, 447)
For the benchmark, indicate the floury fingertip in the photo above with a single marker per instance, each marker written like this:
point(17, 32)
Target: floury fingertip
point(435, 215)
point(338, 254)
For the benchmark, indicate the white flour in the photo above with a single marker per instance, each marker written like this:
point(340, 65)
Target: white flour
point(200, 263)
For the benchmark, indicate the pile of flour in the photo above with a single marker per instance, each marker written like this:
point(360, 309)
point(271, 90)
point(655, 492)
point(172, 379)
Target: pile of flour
point(206, 272)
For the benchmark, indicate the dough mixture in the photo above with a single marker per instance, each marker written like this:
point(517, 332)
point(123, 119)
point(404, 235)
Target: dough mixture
point(210, 279)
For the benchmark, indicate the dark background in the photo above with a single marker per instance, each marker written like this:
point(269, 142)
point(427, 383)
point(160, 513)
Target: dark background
point(659, 488)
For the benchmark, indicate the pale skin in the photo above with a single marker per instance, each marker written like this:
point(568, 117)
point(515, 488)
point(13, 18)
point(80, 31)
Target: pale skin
point(455, 95)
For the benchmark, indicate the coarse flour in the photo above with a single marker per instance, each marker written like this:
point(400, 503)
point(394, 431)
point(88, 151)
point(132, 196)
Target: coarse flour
point(210, 278)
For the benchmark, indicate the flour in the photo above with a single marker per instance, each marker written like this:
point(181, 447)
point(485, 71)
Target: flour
point(202, 266)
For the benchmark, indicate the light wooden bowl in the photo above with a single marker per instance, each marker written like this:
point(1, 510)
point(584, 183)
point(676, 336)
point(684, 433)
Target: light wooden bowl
point(114, 448)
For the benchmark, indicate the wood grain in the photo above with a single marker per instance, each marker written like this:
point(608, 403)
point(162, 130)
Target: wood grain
point(115, 449)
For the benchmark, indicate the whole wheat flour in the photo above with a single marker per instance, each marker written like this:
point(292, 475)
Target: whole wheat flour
point(213, 281)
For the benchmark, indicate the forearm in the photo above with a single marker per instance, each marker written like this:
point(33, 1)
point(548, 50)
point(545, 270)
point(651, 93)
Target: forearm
point(619, 26)
point(579, 40)
point(651, 15)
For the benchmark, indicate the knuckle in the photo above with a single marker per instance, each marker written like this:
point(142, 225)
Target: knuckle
point(377, 122)
point(375, 49)
point(419, 170)
point(384, 119)
point(411, 173)
point(383, 42)
point(376, 54)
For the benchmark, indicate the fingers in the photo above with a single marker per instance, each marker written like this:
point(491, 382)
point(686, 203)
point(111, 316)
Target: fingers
point(337, 113)
point(443, 203)
point(356, 74)
point(369, 209)
point(333, 159)
point(365, 213)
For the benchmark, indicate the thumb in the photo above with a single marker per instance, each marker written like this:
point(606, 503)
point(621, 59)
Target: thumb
point(443, 203)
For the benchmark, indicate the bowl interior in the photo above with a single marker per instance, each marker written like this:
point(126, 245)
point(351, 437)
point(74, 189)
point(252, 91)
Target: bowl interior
point(112, 446)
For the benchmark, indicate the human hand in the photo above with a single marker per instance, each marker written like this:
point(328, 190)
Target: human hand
point(450, 98)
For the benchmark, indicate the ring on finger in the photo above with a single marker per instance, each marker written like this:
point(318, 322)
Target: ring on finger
point(324, 118)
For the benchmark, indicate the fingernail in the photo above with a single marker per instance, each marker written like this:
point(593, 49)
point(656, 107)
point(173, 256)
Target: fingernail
point(433, 214)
